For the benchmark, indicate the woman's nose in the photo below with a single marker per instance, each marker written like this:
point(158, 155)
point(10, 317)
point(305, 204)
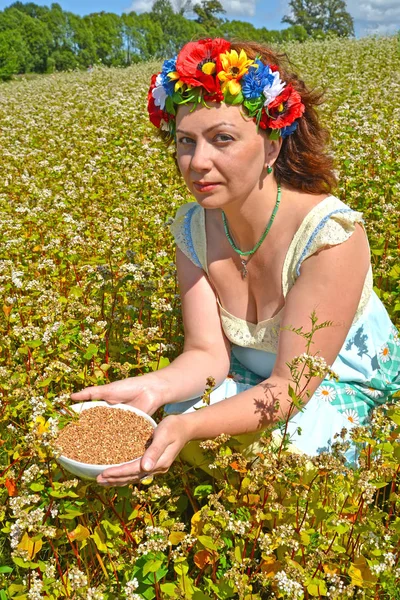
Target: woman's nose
point(201, 157)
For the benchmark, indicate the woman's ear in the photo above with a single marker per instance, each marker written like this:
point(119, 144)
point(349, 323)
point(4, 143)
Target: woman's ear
point(272, 149)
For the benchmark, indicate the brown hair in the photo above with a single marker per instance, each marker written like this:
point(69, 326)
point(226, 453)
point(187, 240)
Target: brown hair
point(303, 162)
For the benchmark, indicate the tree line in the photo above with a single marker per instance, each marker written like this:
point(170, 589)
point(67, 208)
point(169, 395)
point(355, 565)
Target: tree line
point(44, 39)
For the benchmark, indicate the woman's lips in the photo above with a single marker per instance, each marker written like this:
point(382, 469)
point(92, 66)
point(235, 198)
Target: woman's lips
point(204, 187)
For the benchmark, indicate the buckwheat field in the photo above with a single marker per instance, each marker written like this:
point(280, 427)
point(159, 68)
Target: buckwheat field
point(89, 295)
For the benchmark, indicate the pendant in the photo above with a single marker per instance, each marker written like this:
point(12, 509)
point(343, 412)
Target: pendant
point(244, 267)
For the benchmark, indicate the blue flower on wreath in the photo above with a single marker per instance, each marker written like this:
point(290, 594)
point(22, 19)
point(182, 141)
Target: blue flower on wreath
point(168, 67)
point(255, 80)
point(289, 129)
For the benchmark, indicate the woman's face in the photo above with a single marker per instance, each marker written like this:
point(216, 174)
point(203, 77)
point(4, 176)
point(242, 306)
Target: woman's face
point(221, 155)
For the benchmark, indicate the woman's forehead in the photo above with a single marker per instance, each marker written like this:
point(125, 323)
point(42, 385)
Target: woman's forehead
point(213, 115)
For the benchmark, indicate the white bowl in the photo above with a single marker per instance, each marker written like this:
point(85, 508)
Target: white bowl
point(89, 471)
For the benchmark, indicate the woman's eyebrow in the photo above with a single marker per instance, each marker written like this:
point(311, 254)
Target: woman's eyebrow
point(222, 124)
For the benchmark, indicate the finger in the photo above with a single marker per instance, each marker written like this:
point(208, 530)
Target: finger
point(89, 393)
point(129, 472)
point(152, 455)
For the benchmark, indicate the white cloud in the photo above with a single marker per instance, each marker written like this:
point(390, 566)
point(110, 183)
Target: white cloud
point(233, 7)
point(375, 16)
point(140, 6)
point(239, 7)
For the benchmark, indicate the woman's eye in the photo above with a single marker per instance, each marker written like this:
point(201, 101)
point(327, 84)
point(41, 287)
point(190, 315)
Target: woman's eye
point(223, 137)
point(185, 140)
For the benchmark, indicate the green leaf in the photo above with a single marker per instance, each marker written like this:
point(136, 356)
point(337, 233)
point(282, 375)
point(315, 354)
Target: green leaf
point(181, 568)
point(274, 135)
point(163, 362)
point(63, 494)
point(169, 589)
point(394, 414)
point(152, 566)
point(6, 569)
point(91, 351)
point(207, 542)
point(341, 528)
point(112, 529)
point(20, 562)
point(305, 538)
point(169, 105)
point(99, 539)
point(34, 343)
point(148, 593)
point(199, 595)
point(45, 382)
point(238, 552)
point(316, 587)
point(202, 491)
point(76, 292)
point(14, 588)
point(36, 487)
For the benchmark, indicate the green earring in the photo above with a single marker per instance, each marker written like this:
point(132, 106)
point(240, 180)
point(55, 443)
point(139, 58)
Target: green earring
point(269, 170)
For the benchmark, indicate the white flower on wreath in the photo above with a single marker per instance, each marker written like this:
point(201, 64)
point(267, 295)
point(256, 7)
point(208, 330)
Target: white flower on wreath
point(384, 353)
point(159, 94)
point(350, 391)
point(326, 392)
point(272, 91)
point(352, 416)
point(372, 392)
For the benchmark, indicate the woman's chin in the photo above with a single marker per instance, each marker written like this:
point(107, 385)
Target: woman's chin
point(211, 200)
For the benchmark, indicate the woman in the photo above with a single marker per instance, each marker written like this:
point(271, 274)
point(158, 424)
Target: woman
point(263, 247)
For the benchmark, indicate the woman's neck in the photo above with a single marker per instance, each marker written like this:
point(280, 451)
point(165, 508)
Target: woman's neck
point(248, 219)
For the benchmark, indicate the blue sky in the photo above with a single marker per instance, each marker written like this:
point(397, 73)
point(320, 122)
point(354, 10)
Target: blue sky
point(370, 16)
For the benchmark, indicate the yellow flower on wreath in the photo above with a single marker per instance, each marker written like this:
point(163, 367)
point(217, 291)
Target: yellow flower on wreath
point(174, 76)
point(234, 67)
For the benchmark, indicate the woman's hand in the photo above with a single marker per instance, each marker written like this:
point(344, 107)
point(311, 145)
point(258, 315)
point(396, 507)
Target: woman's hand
point(147, 392)
point(169, 438)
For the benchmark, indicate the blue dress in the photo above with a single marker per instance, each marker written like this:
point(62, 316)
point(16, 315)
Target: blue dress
point(367, 366)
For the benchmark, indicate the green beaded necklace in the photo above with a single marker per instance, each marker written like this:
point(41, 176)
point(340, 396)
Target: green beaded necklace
point(260, 241)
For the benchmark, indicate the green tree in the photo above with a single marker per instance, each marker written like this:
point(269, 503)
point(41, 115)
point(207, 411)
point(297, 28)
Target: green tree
point(81, 40)
point(163, 12)
point(238, 29)
point(14, 54)
point(35, 34)
point(176, 29)
point(107, 32)
point(207, 12)
point(321, 16)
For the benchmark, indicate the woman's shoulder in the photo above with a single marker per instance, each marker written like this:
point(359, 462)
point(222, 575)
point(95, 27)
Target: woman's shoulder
point(325, 221)
point(324, 213)
point(310, 208)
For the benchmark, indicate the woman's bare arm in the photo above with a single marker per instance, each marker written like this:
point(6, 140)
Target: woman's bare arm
point(206, 350)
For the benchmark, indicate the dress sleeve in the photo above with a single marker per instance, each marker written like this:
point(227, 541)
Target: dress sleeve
point(329, 225)
point(332, 229)
point(188, 229)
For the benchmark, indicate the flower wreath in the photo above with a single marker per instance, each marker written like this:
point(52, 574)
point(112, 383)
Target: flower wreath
point(209, 71)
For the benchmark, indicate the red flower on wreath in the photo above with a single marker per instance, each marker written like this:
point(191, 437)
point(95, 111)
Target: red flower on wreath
point(283, 110)
point(156, 115)
point(198, 63)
